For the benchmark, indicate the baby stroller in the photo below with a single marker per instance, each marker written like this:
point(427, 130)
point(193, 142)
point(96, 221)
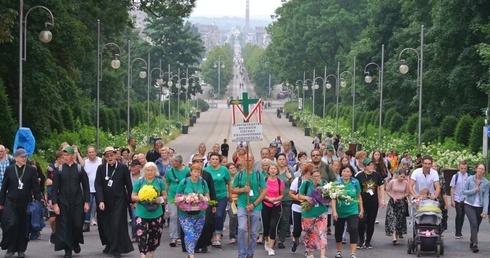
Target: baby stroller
point(426, 222)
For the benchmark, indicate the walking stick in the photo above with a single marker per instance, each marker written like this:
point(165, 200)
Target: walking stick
point(247, 160)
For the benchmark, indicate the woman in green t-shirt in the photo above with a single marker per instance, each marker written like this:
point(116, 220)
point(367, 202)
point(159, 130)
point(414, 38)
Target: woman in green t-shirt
point(347, 212)
point(314, 221)
point(149, 222)
point(192, 224)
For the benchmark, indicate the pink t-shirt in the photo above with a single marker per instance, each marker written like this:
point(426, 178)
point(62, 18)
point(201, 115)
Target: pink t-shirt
point(273, 190)
point(397, 189)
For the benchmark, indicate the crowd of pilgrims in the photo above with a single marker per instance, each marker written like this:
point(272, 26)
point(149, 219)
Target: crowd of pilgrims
point(269, 190)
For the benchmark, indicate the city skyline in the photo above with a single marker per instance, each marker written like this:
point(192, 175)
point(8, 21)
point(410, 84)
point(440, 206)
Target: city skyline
point(231, 8)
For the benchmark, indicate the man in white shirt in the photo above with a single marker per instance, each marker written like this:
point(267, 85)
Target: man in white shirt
point(425, 177)
point(457, 196)
point(92, 162)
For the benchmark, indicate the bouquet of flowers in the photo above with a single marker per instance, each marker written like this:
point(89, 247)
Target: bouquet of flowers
point(147, 193)
point(324, 194)
point(192, 202)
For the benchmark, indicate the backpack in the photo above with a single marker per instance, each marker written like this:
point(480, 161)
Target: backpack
point(158, 179)
point(240, 178)
point(79, 168)
point(202, 183)
point(35, 210)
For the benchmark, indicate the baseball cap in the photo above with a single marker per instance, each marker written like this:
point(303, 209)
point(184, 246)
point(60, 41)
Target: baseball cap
point(69, 149)
point(330, 147)
point(20, 153)
point(135, 162)
point(366, 161)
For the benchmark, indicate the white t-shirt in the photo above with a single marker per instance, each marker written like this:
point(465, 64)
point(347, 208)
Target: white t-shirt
point(422, 181)
point(294, 187)
point(91, 169)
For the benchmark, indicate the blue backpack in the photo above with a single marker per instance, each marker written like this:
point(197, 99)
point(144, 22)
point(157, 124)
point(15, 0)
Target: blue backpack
point(35, 209)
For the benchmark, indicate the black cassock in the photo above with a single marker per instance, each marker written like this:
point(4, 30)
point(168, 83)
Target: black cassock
point(208, 229)
point(70, 191)
point(113, 220)
point(15, 203)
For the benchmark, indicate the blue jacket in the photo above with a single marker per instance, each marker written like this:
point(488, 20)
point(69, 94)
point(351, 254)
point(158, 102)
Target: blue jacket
point(471, 194)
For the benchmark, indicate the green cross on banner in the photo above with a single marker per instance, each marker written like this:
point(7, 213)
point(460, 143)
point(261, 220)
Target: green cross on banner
point(245, 102)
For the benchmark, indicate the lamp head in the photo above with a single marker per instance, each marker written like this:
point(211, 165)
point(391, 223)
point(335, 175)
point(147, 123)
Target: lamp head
point(316, 86)
point(45, 36)
point(215, 66)
point(328, 85)
point(177, 85)
point(403, 69)
point(343, 84)
point(143, 73)
point(223, 66)
point(116, 63)
point(368, 78)
point(170, 83)
point(305, 87)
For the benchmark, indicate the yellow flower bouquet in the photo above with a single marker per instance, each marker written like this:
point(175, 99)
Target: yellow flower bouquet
point(147, 194)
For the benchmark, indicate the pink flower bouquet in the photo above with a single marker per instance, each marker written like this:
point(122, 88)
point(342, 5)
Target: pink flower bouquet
point(191, 202)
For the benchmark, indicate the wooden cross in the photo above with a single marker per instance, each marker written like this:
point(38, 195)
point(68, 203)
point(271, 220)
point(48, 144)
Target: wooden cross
point(245, 102)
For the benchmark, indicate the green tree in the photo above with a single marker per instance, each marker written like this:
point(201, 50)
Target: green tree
point(475, 141)
point(463, 130)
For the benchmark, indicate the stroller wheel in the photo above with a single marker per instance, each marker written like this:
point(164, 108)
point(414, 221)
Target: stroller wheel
point(419, 248)
point(438, 250)
point(410, 245)
point(442, 247)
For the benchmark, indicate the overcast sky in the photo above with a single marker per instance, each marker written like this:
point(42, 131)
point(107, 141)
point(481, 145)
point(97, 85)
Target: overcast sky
point(220, 8)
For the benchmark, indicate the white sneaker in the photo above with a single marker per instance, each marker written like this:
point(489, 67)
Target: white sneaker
point(271, 252)
point(266, 246)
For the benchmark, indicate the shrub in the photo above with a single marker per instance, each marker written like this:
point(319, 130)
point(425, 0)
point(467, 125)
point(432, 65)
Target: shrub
point(475, 141)
point(463, 130)
point(387, 117)
point(396, 122)
point(412, 123)
point(430, 135)
point(447, 128)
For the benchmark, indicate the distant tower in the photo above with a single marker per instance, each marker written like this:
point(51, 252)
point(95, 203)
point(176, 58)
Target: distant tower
point(247, 17)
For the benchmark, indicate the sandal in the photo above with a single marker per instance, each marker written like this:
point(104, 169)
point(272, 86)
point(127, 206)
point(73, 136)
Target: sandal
point(395, 242)
point(173, 243)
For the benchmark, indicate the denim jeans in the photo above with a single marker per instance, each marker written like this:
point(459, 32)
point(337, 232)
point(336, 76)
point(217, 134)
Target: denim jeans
point(173, 223)
point(245, 250)
point(87, 214)
point(220, 216)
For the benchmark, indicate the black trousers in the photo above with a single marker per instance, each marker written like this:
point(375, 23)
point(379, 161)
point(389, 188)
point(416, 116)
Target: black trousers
point(352, 223)
point(366, 224)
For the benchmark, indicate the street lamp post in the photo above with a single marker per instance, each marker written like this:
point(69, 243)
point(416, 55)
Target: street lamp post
point(177, 85)
point(142, 74)
point(159, 84)
point(329, 86)
point(114, 64)
point(369, 79)
point(186, 87)
point(404, 70)
point(343, 84)
point(219, 64)
point(45, 36)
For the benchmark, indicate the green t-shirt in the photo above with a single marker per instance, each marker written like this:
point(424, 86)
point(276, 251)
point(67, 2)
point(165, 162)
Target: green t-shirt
point(140, 209)
point(186, 186)
point(221, 177)
point(173, 177)
point(255, 187)
point(287, 185)
point(317, 209)
point(346, 209)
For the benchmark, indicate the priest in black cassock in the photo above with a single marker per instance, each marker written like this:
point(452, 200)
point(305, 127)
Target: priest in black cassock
point(70, 198)
point(113, 193)
point(19, 183)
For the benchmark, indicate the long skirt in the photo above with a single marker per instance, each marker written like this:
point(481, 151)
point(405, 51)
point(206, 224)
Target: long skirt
point(396, 220)
point(192, 227)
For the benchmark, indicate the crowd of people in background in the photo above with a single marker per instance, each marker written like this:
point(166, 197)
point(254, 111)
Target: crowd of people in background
point(261, 196)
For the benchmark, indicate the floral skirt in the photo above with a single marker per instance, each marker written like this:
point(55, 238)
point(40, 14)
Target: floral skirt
point(396, 220)
point(315, 232)
point(192, 227)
